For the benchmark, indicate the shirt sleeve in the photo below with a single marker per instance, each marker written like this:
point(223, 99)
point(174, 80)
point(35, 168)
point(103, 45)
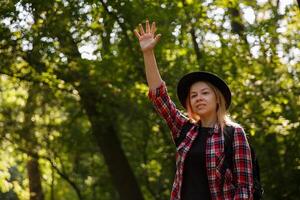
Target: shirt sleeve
point(242, 166)
point(167, 109)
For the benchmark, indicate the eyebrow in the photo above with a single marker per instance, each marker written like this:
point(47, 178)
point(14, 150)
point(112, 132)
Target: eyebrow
point(206, 88)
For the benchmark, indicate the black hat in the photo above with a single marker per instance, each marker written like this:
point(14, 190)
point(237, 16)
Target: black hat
point(187, 80)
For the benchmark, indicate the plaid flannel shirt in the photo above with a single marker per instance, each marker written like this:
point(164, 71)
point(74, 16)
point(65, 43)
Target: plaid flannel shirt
point(238, 184)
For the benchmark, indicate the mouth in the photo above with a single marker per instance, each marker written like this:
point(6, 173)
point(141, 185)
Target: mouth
point(199, 106)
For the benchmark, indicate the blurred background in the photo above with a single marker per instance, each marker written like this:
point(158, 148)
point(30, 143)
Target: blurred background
point(75, 119)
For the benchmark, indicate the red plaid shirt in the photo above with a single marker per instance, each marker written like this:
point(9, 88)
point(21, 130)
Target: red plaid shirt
point(238, 184)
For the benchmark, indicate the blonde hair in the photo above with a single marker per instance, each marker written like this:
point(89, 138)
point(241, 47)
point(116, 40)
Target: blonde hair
point(222, 114)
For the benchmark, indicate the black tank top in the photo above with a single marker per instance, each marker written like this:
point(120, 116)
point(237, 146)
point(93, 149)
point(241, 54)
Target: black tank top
point(195, 182)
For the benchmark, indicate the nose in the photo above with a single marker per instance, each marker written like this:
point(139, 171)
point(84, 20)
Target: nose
point(199, 98)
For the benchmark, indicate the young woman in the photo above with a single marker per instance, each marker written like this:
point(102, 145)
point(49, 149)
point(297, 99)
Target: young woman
point(200, 155)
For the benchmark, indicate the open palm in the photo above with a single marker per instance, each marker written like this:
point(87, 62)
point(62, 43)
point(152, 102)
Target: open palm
point(147, 39)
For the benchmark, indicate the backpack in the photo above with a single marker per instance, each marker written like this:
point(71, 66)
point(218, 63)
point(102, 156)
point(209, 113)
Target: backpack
point(228, 163)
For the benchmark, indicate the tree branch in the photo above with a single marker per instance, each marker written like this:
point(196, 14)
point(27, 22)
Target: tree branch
point(34, 80)
point(197, 49)
point(54, 166)
point(123, 28)
point(127, 39)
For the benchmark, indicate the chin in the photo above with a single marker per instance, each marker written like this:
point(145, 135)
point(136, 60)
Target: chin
point(201, 113)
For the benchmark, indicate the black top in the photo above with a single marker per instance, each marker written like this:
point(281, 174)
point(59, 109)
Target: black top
point(195, 181)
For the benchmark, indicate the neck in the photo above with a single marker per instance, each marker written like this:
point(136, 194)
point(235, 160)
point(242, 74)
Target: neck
point(208, 121)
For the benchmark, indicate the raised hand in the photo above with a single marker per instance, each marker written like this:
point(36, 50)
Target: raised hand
point(147, 39)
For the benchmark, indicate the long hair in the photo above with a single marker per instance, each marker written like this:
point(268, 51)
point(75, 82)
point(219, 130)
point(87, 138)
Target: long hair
point(222, 114)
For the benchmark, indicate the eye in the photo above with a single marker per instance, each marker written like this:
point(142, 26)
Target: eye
point(205, 92)
point(193, 95)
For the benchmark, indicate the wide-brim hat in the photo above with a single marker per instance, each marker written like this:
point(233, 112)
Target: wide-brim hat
point(187, 80)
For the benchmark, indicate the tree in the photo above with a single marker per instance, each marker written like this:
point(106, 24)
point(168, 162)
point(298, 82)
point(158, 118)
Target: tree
point(91, 114)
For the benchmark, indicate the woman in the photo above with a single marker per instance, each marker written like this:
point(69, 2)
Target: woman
point(200, 150)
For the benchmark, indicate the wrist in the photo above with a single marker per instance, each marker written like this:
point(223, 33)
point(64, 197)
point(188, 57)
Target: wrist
point(148, 52)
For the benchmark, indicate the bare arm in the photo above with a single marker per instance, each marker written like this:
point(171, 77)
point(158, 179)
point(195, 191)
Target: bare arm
point(158, 91)
point(147, 42)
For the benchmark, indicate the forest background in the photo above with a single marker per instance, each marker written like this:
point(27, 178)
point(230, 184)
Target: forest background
point(75, 120)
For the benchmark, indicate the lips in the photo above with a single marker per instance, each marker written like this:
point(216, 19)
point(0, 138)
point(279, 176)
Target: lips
point(200, 106)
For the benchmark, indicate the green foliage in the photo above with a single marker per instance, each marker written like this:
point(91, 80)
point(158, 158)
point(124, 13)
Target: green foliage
point(57, 57)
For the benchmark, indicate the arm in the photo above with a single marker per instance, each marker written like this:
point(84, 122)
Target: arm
point(147, 42)
point(158, 91)
point(242, 166)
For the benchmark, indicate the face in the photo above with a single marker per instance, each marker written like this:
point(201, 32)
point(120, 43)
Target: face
point(203, 100)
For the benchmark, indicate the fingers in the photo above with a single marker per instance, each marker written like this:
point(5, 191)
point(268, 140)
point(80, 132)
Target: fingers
point(157, 38)
point(153, 27)
point(147, 26)
point(141, 29)
point(137, 33)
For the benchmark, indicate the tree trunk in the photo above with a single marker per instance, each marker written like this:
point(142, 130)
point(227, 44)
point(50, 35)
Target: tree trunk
point(103, 128)
point(105, 133)
point(34, 176)
point(27, 134)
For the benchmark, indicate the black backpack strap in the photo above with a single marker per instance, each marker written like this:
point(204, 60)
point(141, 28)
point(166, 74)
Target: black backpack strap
point(228, 151)
point(185, 128)
point(258, 188)
point(256, 172)
point(228, 145)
